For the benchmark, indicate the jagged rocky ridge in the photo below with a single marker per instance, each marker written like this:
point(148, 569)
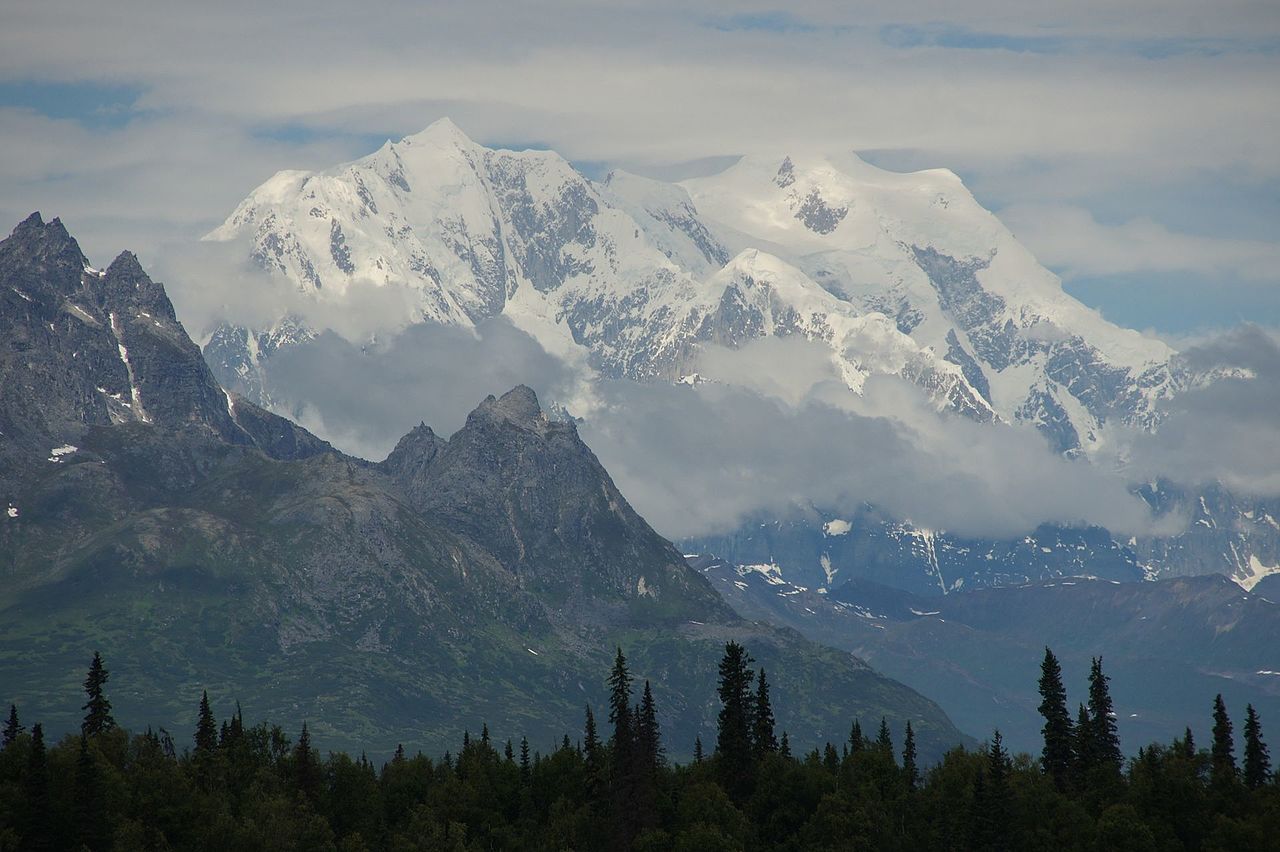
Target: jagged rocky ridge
point(200, 542)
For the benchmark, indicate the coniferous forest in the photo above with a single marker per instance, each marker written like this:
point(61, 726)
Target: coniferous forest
point(228, 785)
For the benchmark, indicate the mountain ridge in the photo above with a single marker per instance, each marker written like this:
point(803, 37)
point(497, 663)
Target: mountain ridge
point(483, 578)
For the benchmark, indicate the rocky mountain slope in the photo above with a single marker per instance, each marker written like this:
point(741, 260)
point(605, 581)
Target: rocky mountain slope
point(200, 542)
point(1166, 644)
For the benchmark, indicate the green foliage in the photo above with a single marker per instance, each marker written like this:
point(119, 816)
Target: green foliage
point(254, 788)
point(1257, 759)
point(97, 710)
point(1224, 747)
point(1057, 757)
point(733, 739)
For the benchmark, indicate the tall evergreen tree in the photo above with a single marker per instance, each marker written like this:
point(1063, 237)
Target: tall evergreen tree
point(992, 799)
point(648, 761)
point(620, 709)
point(1257, 760)
point(97, 715)
point(91, 827)
point(856, 740)
point(763, 740)
point(909, 769)
point(697, 750)
point(526, 769)
point(12, 728)
point(1188, 745)
point(1105, 741)
point(884, 740)
point(1224, 747)
point(733, 738)
point(306, 766)
point(1057, 757)
point(206, 727)
point(648, 737)
point(784, 746)
point(1083, 748)
point(593, 757)
point(38, 822)
point(509, 752)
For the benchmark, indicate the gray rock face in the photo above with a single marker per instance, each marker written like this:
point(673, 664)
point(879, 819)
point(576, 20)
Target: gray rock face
point(527, 487)
point(81, 348)
point(957, 355)
point(818, 216)
point(486, 577)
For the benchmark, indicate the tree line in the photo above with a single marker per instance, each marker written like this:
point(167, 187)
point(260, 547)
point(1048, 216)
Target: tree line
point(251, 787)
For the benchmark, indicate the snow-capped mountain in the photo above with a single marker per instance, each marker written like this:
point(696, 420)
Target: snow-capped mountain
point(898, 274)
point(904, 274)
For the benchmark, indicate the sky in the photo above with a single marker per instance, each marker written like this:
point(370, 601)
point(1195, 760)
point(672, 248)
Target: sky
point(1131, 145)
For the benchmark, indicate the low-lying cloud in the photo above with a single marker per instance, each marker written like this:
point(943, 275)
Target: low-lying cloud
point(1227, 429)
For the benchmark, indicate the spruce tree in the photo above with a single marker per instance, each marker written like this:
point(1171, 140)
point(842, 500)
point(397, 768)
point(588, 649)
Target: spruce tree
point(38, 822)
point(620, 710)
point(648, 737)
point(1083, 749)
point(1257, 761)
point(992, 798)
point(1188, 745)
point(525, 767)
point(593, 758)
point(484, 733)
point(763, 740)
point(784, 746)
point(97, 716)
point(306, 766)
point(1224, 747)
point(856, 740)
point(91, 829)
point(509, 752)
point(206, 727)
point(12, 728)
point(1056, 758)
point(1105, 742)
point(697, 749)
point(733, 738)
point(884, 741)
point(648, 757)
point(909, 770)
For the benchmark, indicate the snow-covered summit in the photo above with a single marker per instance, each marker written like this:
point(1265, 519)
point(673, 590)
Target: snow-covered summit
point(903, 274)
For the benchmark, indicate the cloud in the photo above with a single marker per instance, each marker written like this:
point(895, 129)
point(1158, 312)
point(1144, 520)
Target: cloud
point(1227, 430)
point(701, 460)
point(1070, 239)
point(775, 433)
point(364, 399)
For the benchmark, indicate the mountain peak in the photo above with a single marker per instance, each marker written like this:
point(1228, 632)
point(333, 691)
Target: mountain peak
point(126, 266)
point(519, 406)
point(441, 131)
point(51, 237)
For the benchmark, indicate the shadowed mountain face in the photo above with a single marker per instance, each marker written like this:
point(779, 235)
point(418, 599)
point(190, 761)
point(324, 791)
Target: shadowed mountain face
point(201, 542)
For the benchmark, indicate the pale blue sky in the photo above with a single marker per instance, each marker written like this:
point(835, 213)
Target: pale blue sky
point(1132, 146)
